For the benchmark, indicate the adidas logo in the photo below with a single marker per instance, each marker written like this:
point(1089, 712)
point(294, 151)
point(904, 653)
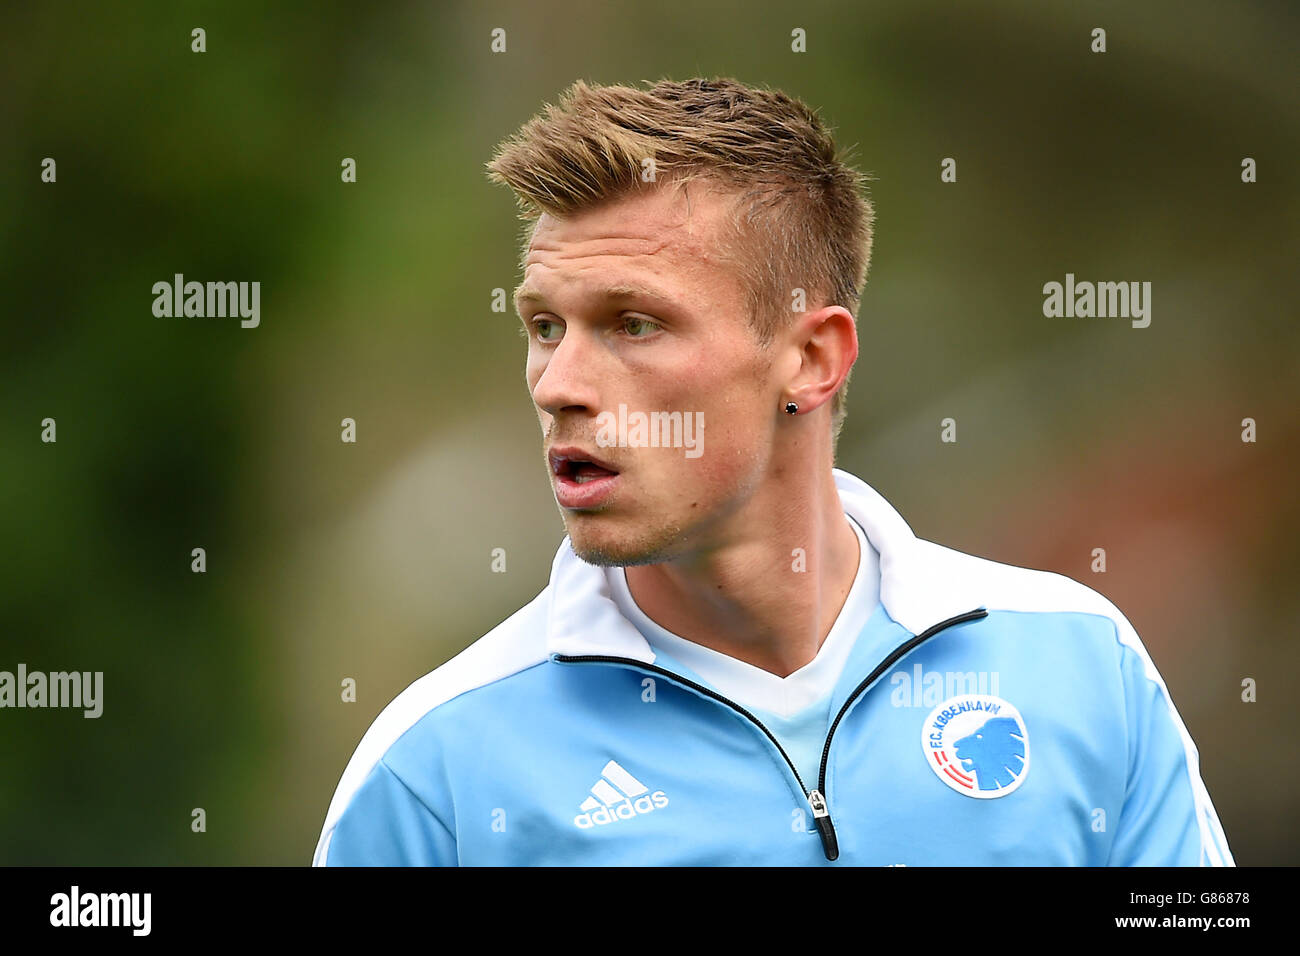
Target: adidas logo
point(617, 795)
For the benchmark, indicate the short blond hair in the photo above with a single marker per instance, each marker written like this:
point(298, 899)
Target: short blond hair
point(801, 219)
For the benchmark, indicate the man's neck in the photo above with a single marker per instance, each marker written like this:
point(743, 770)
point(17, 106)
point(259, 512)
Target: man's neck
point(771, 595)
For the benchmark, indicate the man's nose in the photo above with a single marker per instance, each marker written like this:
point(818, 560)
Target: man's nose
point(570, 378)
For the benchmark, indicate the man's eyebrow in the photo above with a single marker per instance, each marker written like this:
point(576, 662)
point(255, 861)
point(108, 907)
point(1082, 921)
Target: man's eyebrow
point(622, 290)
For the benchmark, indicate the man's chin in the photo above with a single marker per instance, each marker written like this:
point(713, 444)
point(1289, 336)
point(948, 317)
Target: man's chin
point(607, 553)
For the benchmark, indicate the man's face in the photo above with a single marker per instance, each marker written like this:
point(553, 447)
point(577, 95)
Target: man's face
point(630, 304)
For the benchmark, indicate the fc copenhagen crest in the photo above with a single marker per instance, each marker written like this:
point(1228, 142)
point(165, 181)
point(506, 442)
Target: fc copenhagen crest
point(977, 744)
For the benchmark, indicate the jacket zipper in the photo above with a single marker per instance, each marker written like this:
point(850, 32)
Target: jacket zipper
point(816, 801)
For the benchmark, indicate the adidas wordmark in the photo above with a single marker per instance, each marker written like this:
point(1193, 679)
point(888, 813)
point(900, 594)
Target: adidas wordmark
point(617, 795)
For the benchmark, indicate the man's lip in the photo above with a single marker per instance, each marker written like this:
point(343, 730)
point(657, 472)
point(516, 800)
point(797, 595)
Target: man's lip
point(559, 455)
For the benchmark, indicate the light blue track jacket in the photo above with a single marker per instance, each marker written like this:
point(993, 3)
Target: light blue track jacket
point(987, 715)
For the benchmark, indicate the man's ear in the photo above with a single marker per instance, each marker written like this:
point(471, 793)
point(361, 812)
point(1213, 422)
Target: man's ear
point(827, 344)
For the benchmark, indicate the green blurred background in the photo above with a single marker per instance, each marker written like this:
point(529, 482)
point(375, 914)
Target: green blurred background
point(371, 560)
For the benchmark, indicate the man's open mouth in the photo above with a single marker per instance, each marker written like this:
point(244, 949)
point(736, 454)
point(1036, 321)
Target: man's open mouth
point(578, 466)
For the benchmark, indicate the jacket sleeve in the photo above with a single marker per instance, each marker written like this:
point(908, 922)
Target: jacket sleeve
point(385, 824)
point(1167, 818)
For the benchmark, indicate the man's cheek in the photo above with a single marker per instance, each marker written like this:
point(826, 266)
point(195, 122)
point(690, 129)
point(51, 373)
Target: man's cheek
point(712, 468)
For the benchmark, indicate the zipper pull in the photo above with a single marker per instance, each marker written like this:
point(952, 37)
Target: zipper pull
point(825, 829)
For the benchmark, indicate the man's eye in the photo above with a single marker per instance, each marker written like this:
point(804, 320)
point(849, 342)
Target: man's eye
point(638, 327)
point(547, 330)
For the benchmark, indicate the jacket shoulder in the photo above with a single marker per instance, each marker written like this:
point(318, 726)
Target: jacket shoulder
point(981, 582)
point(1004, 587)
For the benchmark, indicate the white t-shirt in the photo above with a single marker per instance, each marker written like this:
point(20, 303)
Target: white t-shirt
point(796, 709)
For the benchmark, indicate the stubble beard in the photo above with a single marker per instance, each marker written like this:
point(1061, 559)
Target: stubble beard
point(656, 544)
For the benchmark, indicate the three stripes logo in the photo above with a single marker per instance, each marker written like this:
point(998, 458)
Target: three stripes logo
point(617, 795)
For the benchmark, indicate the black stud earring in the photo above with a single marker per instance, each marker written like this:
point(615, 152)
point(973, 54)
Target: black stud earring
point(791, 408)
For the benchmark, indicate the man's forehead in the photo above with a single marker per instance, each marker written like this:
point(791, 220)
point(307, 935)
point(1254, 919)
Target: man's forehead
point(617, 290)
point(557, 245)
point(661, 221)
point(667, 280)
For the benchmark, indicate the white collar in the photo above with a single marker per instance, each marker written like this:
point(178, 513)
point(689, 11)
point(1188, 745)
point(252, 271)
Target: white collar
point(749, 684)
point(918, 586)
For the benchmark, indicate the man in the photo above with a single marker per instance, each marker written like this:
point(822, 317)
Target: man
point(744, 656)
